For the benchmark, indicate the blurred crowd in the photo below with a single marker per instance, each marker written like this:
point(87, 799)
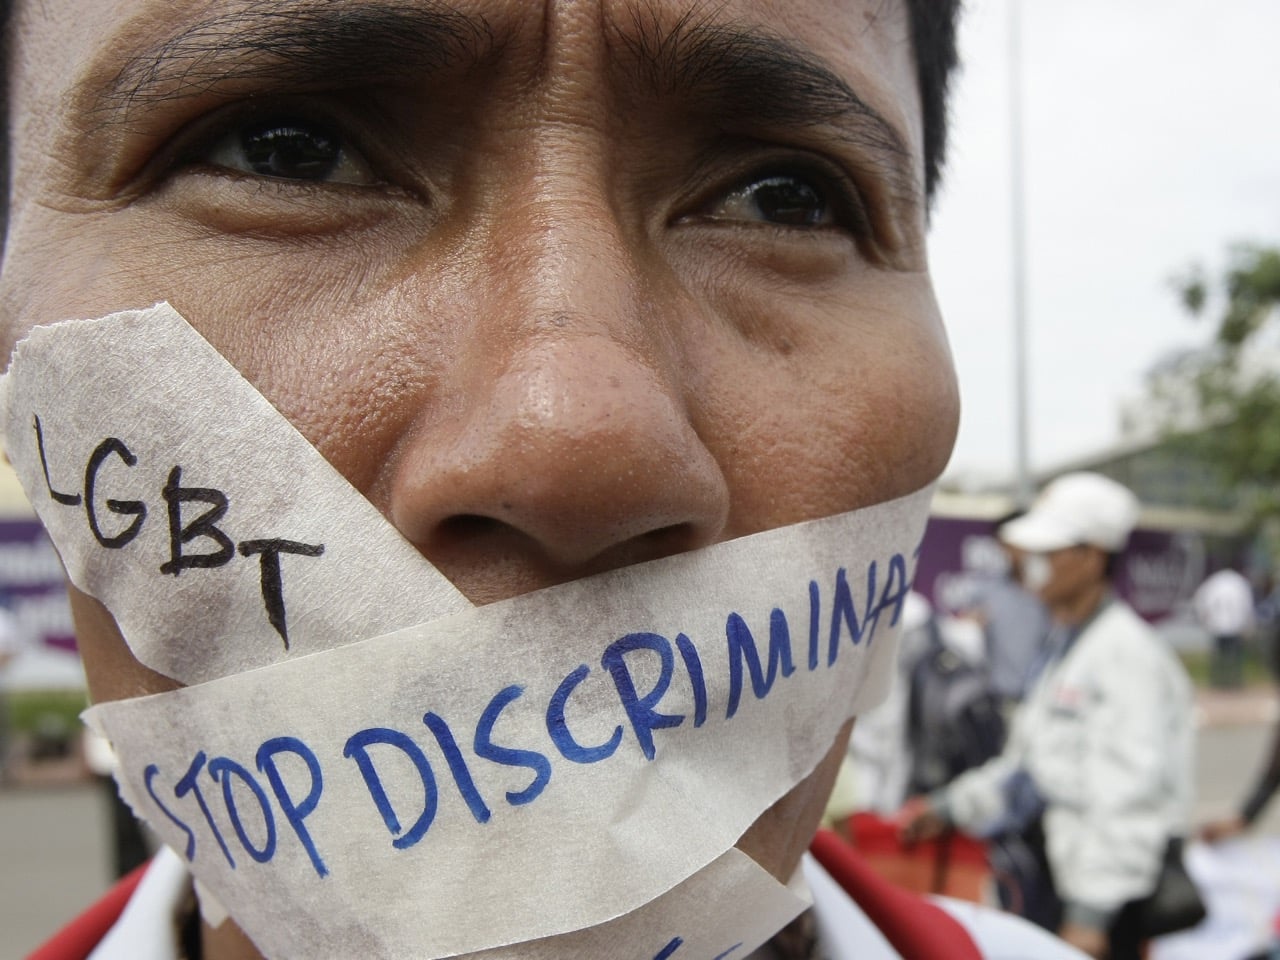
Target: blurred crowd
point(1045, 719)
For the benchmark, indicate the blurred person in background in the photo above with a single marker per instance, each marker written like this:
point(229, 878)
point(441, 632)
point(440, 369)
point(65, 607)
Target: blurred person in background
point(941, 717)
point(1099, 761)
point(1015, 624)
point(955, 719)
point(1224, 606)
point(877, 767)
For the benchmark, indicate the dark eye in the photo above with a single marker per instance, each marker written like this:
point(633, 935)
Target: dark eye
point(287, 149)
point(785, 199)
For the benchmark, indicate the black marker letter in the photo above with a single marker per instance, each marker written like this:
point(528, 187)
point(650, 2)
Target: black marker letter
point(135, 507)
point(272, 587)
point(67, 499)
point(175, 494)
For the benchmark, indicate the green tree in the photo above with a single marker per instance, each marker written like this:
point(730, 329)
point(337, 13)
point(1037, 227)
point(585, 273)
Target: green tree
point(1222, 403)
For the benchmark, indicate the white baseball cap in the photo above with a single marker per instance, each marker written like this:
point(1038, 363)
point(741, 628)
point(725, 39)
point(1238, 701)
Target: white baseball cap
point(1076, 508)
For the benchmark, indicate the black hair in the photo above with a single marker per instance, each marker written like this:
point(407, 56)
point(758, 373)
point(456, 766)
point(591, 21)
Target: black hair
point(934, 24)
point(933, 41)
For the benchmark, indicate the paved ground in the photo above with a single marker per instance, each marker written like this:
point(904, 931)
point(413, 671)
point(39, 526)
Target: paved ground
point(53, 860)
point(1216, 708)
point(53, 857)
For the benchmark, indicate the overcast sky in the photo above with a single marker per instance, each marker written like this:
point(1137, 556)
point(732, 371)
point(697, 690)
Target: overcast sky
point(1152, 141)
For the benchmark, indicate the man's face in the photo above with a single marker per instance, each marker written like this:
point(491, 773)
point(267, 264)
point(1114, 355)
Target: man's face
point(558, 286)
point(1070, 573)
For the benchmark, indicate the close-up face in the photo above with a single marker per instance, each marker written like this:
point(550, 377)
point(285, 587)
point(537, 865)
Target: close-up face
point(558, 286)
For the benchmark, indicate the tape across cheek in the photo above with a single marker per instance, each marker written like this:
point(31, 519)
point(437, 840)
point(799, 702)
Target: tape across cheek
point(384, 770)
point(217, 536)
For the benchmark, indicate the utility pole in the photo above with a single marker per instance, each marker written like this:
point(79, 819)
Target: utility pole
point(1017, 205)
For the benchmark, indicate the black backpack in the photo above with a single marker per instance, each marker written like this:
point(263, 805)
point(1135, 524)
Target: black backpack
point(954, 718)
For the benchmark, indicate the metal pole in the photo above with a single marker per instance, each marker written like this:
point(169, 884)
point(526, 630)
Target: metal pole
point(1017, 204)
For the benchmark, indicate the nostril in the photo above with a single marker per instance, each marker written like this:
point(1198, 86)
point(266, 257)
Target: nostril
point(676, 538)
point(465, 527)
point(465, 534)
point(577, 457)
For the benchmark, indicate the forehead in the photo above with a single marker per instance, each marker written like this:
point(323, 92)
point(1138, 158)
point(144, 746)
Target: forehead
point(79, 45)
point(831, 25)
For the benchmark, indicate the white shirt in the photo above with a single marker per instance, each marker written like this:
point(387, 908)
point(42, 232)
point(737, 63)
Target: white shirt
point(1106, 735)
point(1224, 604)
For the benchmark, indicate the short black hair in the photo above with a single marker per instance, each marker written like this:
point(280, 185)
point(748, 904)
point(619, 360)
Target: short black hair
point(934, 24)
point(933, 40)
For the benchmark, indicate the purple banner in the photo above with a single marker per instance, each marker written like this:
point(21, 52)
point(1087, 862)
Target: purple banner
point(1158, 573)
point(32, 584)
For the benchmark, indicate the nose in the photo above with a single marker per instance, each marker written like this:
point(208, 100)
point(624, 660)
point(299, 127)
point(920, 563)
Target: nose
point(572, 447)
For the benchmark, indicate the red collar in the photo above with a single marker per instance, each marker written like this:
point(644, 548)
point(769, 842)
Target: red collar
point(916, 928)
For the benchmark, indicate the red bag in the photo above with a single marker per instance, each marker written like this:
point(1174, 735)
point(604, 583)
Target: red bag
point(953, 865)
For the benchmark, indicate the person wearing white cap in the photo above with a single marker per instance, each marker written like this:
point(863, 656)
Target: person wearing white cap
point(1099, 760)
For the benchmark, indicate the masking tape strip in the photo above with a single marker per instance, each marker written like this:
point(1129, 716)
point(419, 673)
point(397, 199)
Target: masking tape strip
point(573, 753)
point(539, 768)
point(722, 912)
point(218, 537)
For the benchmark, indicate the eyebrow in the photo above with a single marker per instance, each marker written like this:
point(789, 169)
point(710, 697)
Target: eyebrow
point(749, 77)
point(742, 76)
point(299, 44)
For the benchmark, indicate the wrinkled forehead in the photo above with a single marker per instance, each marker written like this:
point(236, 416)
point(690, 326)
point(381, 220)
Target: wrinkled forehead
point(67, 52)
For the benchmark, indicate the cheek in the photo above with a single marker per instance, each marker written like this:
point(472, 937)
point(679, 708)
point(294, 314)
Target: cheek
point(296, 324)
point(1064, 576)
point(838, 408)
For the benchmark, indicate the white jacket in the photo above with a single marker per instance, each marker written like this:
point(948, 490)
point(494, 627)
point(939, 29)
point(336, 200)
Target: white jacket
point(1107, 737)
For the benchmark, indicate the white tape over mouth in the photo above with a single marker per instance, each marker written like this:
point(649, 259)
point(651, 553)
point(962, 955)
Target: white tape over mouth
point(494, 776)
